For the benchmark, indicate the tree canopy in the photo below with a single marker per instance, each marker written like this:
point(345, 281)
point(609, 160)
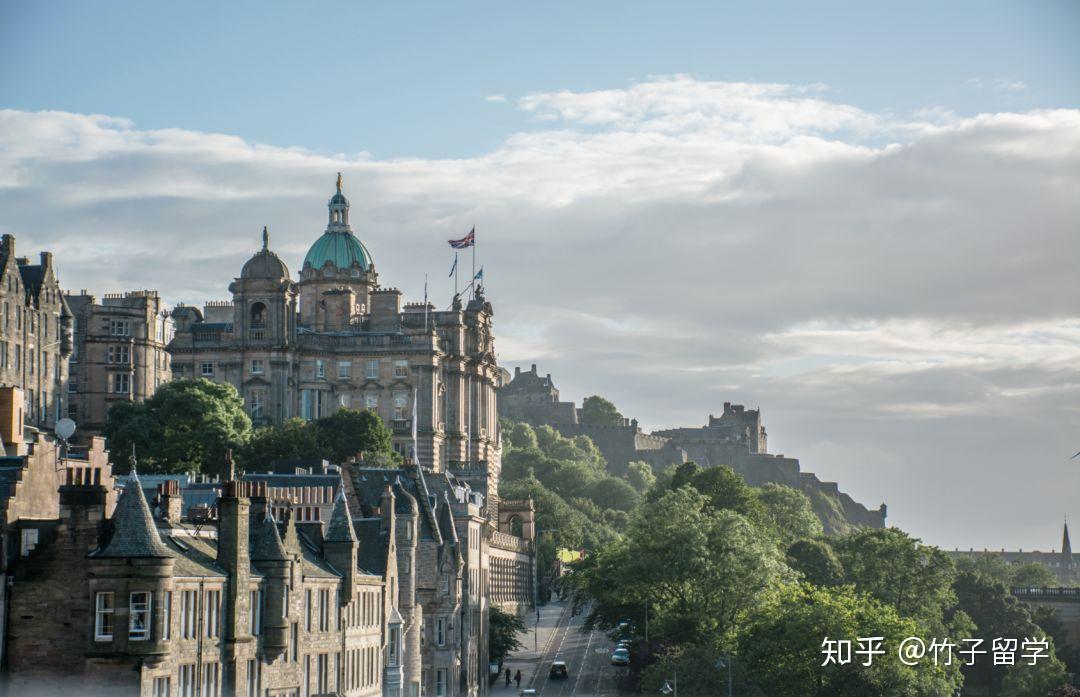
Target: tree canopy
point(188, 425)
point(597, 411)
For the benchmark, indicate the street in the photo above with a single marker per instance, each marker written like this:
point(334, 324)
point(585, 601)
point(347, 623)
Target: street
point(587, 656)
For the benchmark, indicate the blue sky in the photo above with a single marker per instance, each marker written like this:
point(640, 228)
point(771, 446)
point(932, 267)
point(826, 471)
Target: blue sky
point(409, 79)
point(860, 217)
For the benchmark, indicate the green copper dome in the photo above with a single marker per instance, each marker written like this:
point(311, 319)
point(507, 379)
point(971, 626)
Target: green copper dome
point(339, 247)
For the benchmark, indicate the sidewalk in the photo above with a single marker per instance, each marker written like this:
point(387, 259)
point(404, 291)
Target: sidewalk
point(527, 660)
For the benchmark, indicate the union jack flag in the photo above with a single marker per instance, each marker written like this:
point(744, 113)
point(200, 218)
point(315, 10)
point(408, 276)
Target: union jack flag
point(466, 241)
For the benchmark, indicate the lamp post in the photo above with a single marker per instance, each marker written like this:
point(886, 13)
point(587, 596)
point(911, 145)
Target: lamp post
point(725, 662)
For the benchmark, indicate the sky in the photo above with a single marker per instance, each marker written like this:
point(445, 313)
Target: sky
point(861, 218)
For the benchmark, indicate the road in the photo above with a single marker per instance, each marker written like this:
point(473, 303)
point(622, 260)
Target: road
point(588, 659)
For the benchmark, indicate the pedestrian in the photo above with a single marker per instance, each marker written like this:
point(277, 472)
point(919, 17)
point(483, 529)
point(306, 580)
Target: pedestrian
point(517, 678)
point(508, 677)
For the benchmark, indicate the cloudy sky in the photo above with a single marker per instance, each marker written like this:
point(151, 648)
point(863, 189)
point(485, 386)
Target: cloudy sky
point(864, 223)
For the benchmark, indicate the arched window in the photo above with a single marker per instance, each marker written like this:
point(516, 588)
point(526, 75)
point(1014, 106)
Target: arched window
point(515, 526)
point(258, 315)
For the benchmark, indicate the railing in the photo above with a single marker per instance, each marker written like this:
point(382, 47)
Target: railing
point(1071, 595)
point(510, 543)
point(331, 341)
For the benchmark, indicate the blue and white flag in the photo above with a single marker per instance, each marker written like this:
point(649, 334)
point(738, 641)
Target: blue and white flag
point(454, 267)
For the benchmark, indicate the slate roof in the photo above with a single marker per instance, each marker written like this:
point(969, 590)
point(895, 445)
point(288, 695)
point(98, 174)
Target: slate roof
point(340, 527)
point(265, 542)
point(134, 531)
point(374, 545)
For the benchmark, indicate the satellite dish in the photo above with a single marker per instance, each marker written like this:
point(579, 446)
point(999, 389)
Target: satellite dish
point(65, 428)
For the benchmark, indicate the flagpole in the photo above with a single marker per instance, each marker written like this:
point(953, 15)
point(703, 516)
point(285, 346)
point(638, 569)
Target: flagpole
point(474, 260)
point(455, 273)
point(425, 304)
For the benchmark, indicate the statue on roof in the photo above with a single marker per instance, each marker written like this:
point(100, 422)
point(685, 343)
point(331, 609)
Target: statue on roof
point(266, 239)
point(339, 182)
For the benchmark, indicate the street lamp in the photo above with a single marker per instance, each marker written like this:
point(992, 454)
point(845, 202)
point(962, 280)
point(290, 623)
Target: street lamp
point(671, 687)
point(725, 662)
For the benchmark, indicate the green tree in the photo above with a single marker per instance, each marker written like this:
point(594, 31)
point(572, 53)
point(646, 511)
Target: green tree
point(727, 490)
point(350, 433)
point(912, 578)
point(521, 437)
point(293, 439)
point(816, 561)
point(504, 628)
point(996, 613)
point(699, 568)
point(188, 425)
point(780, 648)
point(613, 493)
point(597, 411)
point(788, 512)
point(640, 475)
point(1033, 575)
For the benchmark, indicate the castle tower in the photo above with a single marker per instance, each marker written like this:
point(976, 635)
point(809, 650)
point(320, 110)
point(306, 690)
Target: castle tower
point(337, 265)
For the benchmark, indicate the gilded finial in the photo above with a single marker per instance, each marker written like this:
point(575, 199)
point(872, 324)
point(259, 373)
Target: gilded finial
point(339, 182)
point(266, 239)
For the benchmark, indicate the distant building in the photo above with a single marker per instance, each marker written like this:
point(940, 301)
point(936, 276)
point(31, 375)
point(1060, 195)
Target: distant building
point(336, 338)
point(35, 335)
point(119, 353)
point(1062, 562)
point(736, 438)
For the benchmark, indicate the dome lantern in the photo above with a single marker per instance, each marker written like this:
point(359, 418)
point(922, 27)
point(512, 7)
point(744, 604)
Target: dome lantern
point(338, 245)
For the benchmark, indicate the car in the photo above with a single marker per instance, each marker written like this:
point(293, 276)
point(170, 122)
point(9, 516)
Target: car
point(558, 671)
point(623, 644)
point(528, 692)
point(620, 657)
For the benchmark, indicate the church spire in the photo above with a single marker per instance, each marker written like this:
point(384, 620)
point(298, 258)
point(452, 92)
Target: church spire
point(1066, 547)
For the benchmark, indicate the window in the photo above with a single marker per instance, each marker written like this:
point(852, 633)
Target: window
point(103, 616)
point(139, 616)
point(440, 682)
point(295, 647)
point(29, 541)
point(187, 614)
point(121, 383)
point(320, 368)
point(401, 406)
point(254, 677)
point(371, 401)
point(324, 610)
point(307, 610)
point(161, 687)
point(257, 404)
point(440, 631)
point(446, 584)
point(207, 369)
point(119, 354)
point(212, 602)
point(307, 676)
point(210, 680)
point(372, 372)
point(401, 369)
point(120, 327)
point(18, 357)
point(256, 367)
point(255, 614)
point(166, 615)
point(344, 369)
point(324, 673)
point(392, 646)
point(186, 681)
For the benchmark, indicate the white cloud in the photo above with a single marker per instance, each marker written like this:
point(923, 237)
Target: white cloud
point(497, 98)
point(898, 294)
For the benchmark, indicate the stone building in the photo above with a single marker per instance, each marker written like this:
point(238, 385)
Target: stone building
point(1062, 562)
point(250, 606)
point(336, 338)
point(119, 353)
point(35, 335)
point(454, 562)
